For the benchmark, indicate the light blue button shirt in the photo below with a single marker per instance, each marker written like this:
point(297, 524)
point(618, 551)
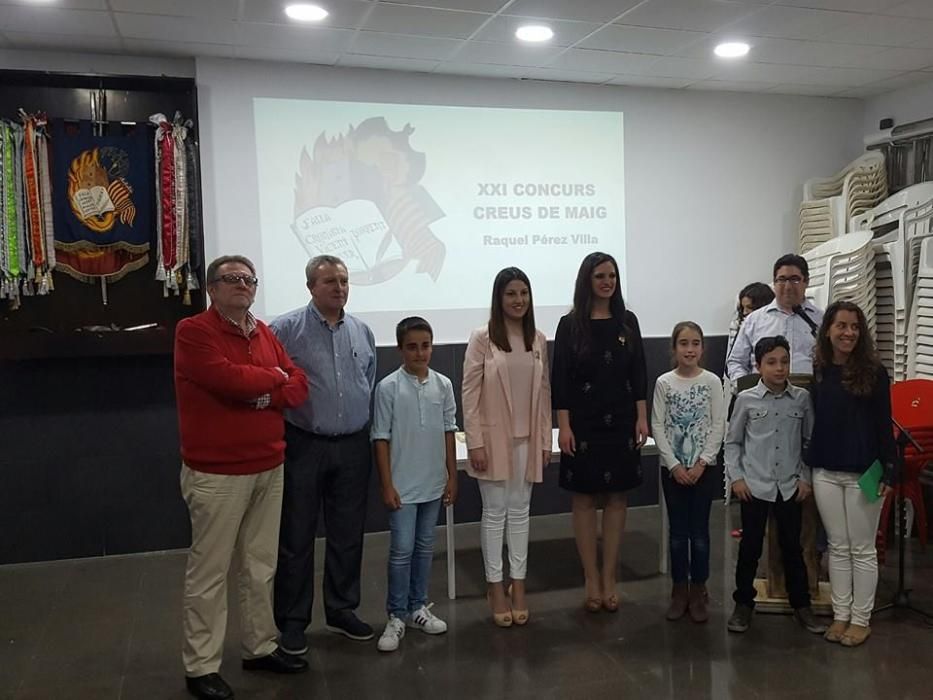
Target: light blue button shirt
point(768, 434)
point(769, 321)
point(340, 362)
point(414, 415)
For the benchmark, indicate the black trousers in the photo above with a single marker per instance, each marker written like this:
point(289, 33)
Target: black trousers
point(787, 515)
point(333, 474)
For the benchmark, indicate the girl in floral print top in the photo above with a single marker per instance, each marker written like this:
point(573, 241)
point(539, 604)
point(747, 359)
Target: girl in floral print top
point(688, 422)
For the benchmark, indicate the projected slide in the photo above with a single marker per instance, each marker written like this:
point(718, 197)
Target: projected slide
point(426, 204)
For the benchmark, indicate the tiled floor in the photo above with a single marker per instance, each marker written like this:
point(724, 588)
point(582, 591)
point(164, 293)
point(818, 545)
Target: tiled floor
point(111, 628)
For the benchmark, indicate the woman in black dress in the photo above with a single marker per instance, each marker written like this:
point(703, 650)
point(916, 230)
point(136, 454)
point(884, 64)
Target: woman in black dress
point(599, 388)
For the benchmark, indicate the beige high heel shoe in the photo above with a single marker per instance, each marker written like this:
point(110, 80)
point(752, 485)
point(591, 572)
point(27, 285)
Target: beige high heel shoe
point(501, 619)
point(592, 604)
point(519, 617)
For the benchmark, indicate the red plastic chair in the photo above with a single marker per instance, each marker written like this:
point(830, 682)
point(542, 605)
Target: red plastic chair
point(912, 407)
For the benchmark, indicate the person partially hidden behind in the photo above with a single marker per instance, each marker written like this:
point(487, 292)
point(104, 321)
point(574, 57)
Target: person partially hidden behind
point(768, 433)
point(752, 297)
point(232, 381)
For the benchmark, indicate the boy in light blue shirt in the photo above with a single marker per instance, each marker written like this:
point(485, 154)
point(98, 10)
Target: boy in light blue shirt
point(414, 421)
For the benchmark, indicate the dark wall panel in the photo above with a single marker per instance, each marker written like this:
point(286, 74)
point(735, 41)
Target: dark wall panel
point(89, 460)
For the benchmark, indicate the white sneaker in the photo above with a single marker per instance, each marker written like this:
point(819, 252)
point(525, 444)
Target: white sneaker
point(426, 621)
point(394, 631)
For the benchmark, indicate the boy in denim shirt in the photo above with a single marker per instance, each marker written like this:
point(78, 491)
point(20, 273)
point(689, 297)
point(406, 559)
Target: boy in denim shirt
point(768, 432)
point(414, 421)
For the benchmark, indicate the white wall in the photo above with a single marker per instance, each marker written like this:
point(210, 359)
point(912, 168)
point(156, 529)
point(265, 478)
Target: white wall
point(906, 105)
point(713, 180)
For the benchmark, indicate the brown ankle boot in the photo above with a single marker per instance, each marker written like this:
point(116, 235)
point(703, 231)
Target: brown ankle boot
point(679, 601)
point(698, 603)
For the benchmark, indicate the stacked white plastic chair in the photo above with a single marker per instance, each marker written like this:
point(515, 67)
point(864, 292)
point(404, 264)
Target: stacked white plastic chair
point(830, 203)
point(920, 351)
point(918, 226)
point(898, 224)
point(843, 268)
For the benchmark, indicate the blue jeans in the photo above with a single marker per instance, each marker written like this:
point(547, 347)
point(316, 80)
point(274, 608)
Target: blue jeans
point(411, 551)
point(688, 510)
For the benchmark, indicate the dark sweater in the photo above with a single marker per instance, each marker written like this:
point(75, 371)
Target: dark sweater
point(850, 432)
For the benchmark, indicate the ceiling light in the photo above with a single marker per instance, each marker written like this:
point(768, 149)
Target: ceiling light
point(534, 32)
point(306, 13)
point(731, 49)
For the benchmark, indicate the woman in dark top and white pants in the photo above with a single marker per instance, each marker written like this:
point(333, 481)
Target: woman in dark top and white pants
point(852, 429)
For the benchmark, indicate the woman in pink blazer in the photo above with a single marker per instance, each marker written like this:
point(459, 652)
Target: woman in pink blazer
point(507, 417)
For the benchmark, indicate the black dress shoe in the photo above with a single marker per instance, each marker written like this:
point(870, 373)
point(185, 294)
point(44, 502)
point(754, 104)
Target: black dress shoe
point(276, 662)
point(209, 687)
point(349, 625)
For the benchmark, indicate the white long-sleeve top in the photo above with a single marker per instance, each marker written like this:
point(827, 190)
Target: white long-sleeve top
point(688, 418)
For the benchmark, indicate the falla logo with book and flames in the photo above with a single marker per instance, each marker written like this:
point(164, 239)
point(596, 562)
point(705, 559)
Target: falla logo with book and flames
point(358, 196)
point(98, 191)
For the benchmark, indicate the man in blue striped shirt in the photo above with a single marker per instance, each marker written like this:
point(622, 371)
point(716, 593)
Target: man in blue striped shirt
point(328, 458)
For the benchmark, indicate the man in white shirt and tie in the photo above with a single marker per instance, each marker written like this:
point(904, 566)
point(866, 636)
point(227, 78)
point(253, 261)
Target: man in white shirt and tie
point(791, 314)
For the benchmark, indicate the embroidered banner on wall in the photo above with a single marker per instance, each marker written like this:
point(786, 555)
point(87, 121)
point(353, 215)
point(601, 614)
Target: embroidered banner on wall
point(103, 190)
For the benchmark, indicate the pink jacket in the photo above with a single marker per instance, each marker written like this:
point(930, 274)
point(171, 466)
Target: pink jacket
point(487, 412)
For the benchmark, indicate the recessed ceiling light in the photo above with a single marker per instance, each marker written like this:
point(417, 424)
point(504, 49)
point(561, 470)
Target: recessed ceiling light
point(306, 13)
point(731, 49)
point(534, 32)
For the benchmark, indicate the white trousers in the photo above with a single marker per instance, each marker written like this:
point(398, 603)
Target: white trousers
point(851, 524)
point(505, 511)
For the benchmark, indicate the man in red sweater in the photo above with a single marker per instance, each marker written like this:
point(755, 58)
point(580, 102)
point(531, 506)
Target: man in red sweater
point(232, 382)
